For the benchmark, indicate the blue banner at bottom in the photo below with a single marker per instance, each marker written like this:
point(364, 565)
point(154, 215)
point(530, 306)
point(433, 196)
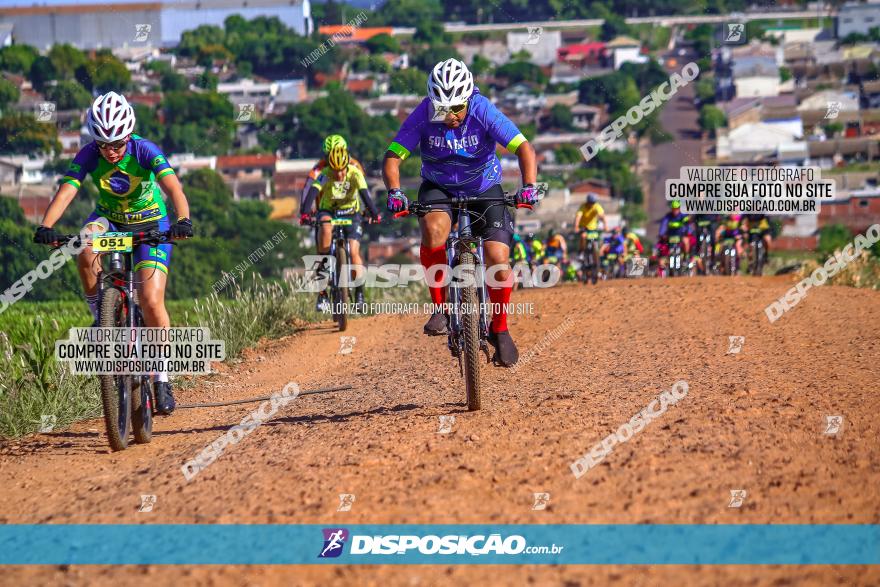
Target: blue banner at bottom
point(169, 544)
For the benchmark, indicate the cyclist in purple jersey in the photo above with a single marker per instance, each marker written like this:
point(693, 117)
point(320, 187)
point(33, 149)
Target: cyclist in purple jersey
point(457, 131)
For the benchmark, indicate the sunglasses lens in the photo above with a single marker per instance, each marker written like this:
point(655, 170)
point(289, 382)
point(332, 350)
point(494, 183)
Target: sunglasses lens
point(457, 109)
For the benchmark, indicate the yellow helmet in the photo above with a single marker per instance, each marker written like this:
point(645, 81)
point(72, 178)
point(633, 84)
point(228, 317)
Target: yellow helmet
point(338, 157)
point(334, 141)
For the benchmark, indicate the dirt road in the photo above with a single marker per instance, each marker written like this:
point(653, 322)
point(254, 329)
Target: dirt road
point(753, 420)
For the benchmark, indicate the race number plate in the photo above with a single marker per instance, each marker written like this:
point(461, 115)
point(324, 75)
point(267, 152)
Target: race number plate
point(674, 239)
point(341, 222)
point(113, 242)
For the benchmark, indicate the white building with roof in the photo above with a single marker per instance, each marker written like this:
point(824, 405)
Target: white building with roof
point(540, 45)
point(756, 141)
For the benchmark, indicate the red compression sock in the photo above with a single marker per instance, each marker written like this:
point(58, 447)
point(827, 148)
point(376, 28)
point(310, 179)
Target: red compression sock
point(429, 258)
point(500, 295)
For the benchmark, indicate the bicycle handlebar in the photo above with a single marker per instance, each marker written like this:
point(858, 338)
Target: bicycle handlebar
point(148, 237)
point(419, 208)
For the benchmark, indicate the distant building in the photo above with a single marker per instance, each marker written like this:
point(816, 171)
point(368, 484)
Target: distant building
point(541, 46)
point(625, 50)
point(857, 18)
point(160, 24)
point(346, 34)
point(755, 76)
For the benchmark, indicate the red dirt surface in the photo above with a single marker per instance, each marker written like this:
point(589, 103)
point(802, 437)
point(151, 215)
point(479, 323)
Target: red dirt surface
point(754, 420)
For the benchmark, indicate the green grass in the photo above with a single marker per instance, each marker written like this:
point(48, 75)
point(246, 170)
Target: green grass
point(33, 383)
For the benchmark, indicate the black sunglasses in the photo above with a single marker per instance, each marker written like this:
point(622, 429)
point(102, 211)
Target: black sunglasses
point(114, 146)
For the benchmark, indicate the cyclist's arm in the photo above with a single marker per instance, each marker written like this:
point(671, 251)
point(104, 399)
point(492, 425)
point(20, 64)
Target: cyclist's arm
point(171, 186)
point(391, 170)
point(663, 227)
point(371, 206)
point(603, 221)
point(309, 199)
point(528, 165)
point(577, 219)
point(59, 204)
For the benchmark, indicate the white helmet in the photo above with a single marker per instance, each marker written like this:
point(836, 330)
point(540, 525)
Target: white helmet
point(450, 83)
point(110, 118)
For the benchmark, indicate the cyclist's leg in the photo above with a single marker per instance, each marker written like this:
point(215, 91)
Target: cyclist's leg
point(151, 267)
point(151, 271)
point(353, 234)
point(87, 265)
point(495, 224)
point(325, 230)
point(435, 230)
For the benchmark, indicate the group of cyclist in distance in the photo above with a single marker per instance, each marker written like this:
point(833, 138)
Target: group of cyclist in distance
point(457, 131)
point(618, 245)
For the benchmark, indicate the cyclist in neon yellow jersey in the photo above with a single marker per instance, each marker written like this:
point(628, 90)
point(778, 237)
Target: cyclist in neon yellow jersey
point(130, 173)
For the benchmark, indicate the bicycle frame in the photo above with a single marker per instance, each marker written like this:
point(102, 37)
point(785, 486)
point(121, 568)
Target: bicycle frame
point(460, 240)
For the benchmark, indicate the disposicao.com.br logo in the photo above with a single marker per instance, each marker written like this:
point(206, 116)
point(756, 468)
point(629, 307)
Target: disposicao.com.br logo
point(431, 544)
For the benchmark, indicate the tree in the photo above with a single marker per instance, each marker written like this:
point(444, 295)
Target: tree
point(705, 89)
point(712, 118)
point(198, 123)
point(172, 81)
point(833, 237)
point(306, 126)
point(68, 95)
point(410, 13)
point(383, 43)
point(784, 74)
point(66, 59)
point(207, 80)
point(433, 55)
point(560, 117)
point(9, 93)
point(42, 72)
point(832, 128)
point(567, 154)
point(147, 124)
point(521, 71)
point(104, 73)
point(480, 65)
point(21, 133)
point(408, 81)
point(18, 58)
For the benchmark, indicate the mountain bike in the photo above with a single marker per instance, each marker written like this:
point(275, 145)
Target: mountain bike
point(340, 254)
point(468, 323)
point(590, 257)
point(127, 399)
point(757, 253)
point(729, 258)
point(676, 254)
point(705, 248)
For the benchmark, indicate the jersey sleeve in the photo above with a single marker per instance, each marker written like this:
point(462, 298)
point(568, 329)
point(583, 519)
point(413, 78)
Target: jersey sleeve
point(359, 180)
point(317, 169)
point(599, 209)
point(500, 128)
point(149, 156)
point(84, 162)
point(410, 134)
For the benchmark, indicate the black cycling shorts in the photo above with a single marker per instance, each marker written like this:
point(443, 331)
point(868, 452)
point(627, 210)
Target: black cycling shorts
point(353, 231)
point(490, 220)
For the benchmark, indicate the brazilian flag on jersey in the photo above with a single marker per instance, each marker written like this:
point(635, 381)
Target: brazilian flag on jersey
point(128, 192)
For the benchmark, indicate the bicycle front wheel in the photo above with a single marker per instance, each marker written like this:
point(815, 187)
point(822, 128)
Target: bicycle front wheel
point(340, 304)
point(115, 389)
point(470, 326)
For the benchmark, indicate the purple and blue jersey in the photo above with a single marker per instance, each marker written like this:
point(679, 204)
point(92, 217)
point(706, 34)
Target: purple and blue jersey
point(461, 160)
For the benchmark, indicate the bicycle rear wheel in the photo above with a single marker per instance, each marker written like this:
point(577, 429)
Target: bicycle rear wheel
point(141, 403)
point(470, 326)
point(340, 304)
point(115, 389)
